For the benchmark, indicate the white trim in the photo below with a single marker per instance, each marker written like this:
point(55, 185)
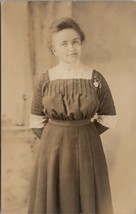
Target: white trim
point(108, 121)
point(37, 121)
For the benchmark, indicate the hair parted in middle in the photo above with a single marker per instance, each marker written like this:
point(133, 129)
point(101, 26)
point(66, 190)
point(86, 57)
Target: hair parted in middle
point(61, 24)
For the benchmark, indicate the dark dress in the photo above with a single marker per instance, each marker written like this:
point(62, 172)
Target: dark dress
point(70, 173)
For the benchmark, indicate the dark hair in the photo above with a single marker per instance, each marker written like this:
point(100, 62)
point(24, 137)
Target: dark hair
point(61, 24)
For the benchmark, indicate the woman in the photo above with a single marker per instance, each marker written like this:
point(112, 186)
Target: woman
point(72, 106)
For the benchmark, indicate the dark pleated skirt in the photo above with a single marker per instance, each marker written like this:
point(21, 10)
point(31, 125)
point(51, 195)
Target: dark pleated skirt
point(70, 173)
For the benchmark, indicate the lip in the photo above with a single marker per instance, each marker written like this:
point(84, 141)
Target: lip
point(72, 54)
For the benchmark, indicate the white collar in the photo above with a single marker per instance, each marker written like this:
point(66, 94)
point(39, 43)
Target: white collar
point(75, 71)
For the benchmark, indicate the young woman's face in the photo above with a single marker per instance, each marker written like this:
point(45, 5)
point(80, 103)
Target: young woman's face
point(67, 45)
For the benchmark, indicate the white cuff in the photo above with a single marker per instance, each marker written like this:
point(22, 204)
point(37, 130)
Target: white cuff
point(37, 121)
point(108, 121)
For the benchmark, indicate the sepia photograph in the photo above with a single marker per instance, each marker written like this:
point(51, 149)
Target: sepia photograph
point(68, 103)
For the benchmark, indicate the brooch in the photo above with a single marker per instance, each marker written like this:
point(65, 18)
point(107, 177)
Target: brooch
point(96, 84)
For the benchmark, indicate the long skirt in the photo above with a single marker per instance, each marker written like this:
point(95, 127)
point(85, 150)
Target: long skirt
point(70, 174)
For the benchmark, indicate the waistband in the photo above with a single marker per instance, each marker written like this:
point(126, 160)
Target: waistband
point(69, 122)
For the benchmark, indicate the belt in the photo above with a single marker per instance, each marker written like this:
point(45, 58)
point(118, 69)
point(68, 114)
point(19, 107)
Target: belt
point(69, 122)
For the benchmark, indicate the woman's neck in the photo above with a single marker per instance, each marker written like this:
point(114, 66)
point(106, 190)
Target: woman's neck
point(70, 66)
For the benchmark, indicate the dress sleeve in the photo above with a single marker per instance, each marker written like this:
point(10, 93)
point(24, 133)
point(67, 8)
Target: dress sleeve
point(105, 117)
point(38, 118)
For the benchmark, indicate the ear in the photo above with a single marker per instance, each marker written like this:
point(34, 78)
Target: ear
point(54, 51)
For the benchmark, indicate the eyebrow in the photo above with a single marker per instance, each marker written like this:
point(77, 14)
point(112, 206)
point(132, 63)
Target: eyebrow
point(64, 41)
point(76, 38)
point(72, 40)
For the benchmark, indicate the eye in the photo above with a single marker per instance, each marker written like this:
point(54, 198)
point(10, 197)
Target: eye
point(63, 44)
point(76, 42)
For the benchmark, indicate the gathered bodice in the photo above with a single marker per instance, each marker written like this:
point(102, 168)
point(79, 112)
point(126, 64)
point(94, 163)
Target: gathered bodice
point(70, 99)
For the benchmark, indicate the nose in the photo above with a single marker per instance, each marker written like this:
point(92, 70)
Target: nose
point(70, 47)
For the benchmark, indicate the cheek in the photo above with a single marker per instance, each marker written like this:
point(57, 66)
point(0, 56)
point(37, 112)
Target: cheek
point(79, 49)
point(61, 52)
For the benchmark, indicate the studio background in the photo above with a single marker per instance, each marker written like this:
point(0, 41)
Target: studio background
point(110, 48)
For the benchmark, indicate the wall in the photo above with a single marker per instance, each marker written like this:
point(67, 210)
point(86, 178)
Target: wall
point(16, 76)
